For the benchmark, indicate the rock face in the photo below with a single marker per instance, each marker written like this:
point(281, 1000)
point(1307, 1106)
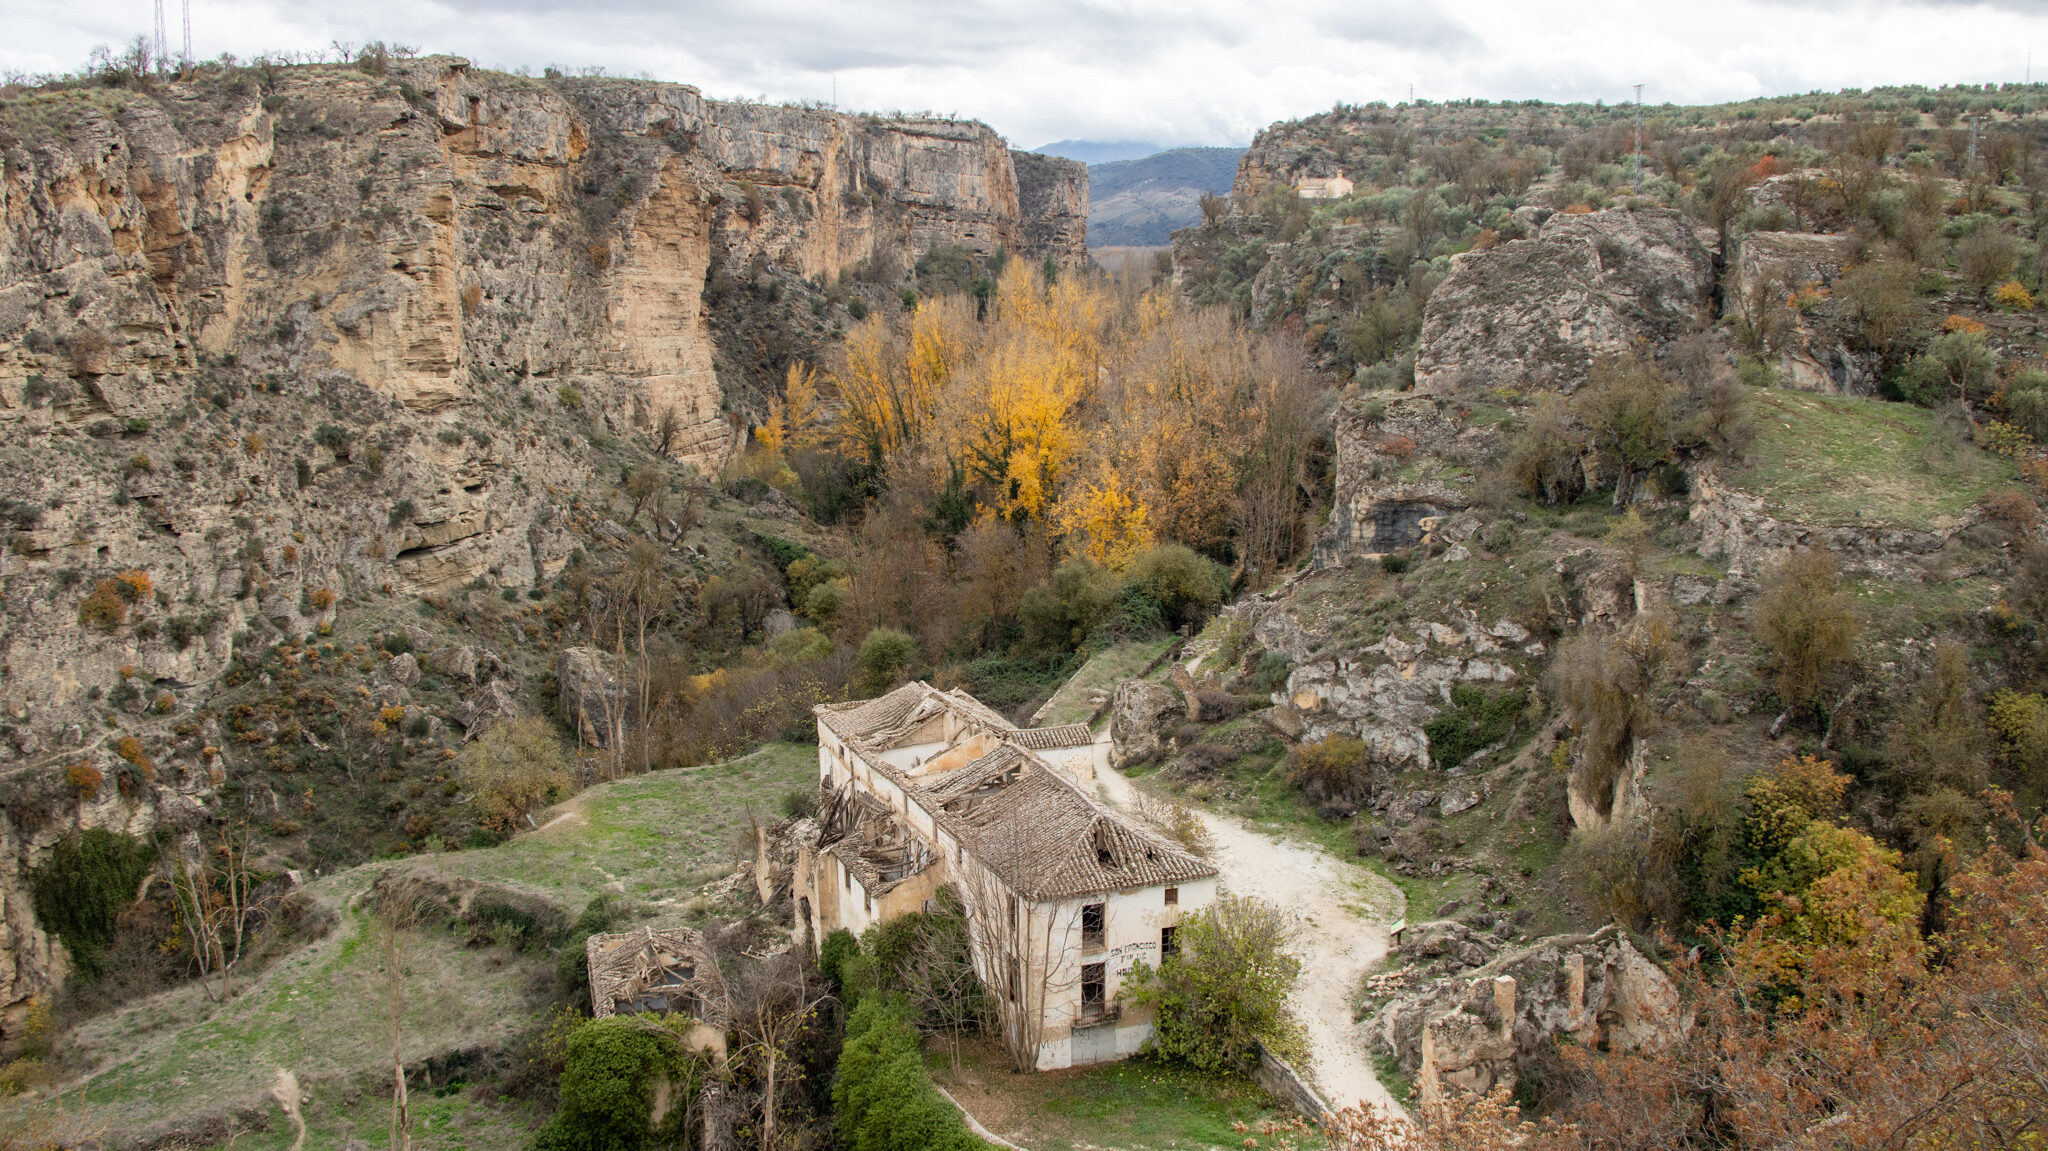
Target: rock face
point(1535, 313)
point(1142, 715)
point(417, 231)
point(1771, 267)
point(1465, 1031)
point(594, 697)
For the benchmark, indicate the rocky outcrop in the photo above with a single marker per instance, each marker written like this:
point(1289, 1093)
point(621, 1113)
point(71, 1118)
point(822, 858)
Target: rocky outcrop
point(1739, 529)
point(1466, 1030)
point(1142, 716)
point(419, 231)
point(594, 698)
point(1779, 278)
point(1535, 313)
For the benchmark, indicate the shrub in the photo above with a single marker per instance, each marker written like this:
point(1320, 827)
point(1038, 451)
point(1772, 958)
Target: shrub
point(133, 586)
point(79, 891)
point(1809, 625)
point(1332, 768)
point(613, 1069)
point(1473, 722)
point(2014, 511)
point(570, 397)
point(884, 657)
point(1394, 562)
point(1183, 584)
point(105, 609)
point(303, 471)
point(84, 779)
point(1223, 994)
point(402, 512)
point(334, 438)
point(2003, 439)
point(2013, 296)
point(884, 1098)
point(516, 767)
point(1060, 613)
point(1400, 448)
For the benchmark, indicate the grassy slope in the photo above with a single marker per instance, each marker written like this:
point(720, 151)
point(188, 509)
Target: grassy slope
point(166, 1063)
point(319, 1013)
point(1834, 460)
point(654, 838)
point(1072, 703)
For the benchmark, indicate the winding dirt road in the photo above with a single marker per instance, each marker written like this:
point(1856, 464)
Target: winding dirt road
point(1343, 912)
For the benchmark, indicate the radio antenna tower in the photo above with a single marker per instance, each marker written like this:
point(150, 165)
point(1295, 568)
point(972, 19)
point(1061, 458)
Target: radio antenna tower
point(160, 47)
point(1639, 138)
point(187, 57)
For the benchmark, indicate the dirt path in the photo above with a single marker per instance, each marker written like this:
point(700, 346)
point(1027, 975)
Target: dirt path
point(1343, 912)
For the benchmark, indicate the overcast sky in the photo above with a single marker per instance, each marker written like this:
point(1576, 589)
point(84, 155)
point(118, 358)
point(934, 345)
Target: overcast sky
point(1185, 72)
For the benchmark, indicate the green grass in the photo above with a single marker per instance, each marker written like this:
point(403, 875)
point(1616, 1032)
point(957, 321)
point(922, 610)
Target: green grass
point(1133, 1105)
point(171, 1061)
point(1070, 704)
point(1837, 460)
point(320, 1013)
point(645, 836)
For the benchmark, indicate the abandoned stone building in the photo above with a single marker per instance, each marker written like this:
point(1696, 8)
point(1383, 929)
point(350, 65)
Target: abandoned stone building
point(923, 788)
point(660, 970)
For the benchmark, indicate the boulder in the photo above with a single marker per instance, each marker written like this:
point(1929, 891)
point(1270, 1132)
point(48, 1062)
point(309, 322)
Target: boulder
point(1535, 313)
point(778, 622)
point(458, 662)
point(593, 695)
point(1141, 717)
point(477, 713)
point(404, 669)
point(1468, 1030)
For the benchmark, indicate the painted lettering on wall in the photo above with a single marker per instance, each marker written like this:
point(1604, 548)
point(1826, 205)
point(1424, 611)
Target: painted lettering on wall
point(1123, 958)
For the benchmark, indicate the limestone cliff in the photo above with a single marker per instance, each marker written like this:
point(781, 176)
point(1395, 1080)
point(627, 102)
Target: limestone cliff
point(418, 230)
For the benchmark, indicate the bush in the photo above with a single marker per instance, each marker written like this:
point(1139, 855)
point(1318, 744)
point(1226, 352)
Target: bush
point(1474, 722)
point(1061, 613)
point(614, 1067)
point(79, 891)
point(516, 767)
point(884, 1098)
point(1184, 585)
point(1224, 993)
point(1334, 768)
point(105, 609)
point(884, 656)
point(1809, 625)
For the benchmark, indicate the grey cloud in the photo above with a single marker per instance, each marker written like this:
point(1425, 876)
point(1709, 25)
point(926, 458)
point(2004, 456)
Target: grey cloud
point(1412, 28)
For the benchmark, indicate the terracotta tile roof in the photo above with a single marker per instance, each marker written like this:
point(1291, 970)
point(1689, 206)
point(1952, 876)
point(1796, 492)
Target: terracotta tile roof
point(882, 721)
point(995, 769)
point(654, 970)
point(1048, 738)
point(1047, 840)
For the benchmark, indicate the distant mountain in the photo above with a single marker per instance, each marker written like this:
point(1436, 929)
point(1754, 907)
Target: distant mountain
point(1098, 151)
point(1140, 202)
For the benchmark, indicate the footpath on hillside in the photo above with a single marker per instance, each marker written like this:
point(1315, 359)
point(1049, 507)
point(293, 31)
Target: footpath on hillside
point(1335, 941)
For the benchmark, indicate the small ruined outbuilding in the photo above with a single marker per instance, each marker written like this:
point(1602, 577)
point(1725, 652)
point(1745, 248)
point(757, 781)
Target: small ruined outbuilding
point(662, 970)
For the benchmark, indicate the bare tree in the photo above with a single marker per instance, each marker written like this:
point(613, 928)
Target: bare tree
point(400, 908)
point(215, 897)
point(1023, 952)
point(667, 426)
point(773, 1005)
point(938, 975)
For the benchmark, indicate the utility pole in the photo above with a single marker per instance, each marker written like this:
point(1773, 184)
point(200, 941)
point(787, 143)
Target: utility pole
point(1972, 165)
point(161, 46)
point(1639, 139)
point(187, 58)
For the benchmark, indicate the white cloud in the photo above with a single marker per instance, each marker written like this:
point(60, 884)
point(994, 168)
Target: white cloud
point(1206, 71)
